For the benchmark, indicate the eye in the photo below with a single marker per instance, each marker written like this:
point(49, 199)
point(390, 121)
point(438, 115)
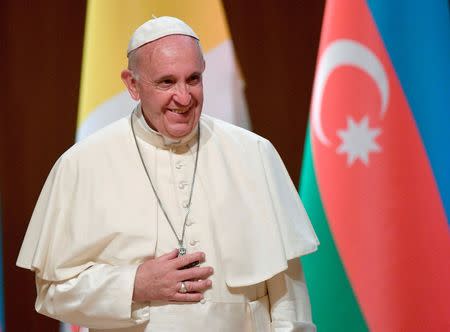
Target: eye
point(194, 79)
point(165, 83)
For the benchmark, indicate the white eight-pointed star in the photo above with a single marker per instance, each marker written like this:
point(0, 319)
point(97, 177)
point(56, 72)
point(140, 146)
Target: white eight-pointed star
point(358, 140)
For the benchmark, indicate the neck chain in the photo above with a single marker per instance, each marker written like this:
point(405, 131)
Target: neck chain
point(182, 248)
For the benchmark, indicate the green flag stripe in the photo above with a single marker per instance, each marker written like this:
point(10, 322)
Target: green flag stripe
point(333, 302)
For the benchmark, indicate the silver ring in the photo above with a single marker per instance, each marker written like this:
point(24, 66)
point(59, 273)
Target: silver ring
point(183, 288)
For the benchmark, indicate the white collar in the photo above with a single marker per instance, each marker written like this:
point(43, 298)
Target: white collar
point(151, 136)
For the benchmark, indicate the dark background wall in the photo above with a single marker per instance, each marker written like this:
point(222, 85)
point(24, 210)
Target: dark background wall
point(41, 46)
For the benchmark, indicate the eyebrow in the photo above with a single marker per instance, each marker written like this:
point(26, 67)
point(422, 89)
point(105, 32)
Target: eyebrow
point(166, 77)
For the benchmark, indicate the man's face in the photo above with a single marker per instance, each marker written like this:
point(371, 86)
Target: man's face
point(169, 84)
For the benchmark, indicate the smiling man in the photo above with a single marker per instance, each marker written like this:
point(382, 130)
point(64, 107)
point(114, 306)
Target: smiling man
point(170, 220)
point(166, 76)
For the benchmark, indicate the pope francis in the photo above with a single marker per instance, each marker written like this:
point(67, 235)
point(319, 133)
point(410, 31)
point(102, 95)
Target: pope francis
point(170, 220)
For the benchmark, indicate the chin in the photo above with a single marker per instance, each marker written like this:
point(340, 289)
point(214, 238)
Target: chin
point(180, 129)
point(180, 132)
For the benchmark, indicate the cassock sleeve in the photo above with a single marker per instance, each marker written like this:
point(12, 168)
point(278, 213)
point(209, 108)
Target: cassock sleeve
point(99, 297)
point(289, 300)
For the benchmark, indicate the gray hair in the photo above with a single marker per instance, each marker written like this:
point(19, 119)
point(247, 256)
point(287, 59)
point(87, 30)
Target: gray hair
point(133, 59)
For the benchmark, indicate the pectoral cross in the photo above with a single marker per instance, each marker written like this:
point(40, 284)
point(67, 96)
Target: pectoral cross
point(181, 251)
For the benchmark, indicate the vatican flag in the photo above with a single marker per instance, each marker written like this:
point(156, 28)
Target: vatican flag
point(110, 24)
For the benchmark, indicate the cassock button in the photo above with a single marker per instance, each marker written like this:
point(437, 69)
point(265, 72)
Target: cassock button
point(203, 301)
point(189, 222)
point(185, 204)
point(182, 185)
point(179, 165)
point(193, 242)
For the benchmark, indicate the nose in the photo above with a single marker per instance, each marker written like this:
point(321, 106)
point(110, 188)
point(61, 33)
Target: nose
point(182, 95)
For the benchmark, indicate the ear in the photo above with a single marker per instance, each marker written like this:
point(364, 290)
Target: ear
point(130, 83)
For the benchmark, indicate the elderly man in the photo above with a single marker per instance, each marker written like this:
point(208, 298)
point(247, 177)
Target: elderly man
point(170, 220)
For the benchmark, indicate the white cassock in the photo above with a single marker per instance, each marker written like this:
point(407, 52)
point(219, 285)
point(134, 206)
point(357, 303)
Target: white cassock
point(97, 219)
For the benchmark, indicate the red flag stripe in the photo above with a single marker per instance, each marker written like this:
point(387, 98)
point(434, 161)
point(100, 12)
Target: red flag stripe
point(386, 216)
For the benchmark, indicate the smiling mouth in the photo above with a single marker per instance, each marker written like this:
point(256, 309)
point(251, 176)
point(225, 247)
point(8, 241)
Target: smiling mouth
point(179, 111)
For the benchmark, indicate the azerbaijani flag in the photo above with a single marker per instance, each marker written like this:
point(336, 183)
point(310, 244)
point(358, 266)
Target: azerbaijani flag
point(376, 171)
point(110, 24)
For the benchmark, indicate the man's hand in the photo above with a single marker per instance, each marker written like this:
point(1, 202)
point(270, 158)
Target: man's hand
point(160, 278)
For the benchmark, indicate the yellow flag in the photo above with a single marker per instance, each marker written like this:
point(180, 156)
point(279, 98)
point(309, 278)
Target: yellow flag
point(109, 25)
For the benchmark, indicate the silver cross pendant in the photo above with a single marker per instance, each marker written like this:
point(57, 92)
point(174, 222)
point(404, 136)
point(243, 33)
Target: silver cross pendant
point(181, 251)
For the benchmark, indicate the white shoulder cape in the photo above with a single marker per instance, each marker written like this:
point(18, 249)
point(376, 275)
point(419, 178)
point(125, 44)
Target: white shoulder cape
point(89, 210)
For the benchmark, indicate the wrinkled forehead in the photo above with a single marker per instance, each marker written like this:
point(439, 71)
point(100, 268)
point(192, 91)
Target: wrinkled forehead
point(184, 48)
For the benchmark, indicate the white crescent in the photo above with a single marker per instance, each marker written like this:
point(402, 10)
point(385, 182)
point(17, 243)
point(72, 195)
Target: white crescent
point(345, 52)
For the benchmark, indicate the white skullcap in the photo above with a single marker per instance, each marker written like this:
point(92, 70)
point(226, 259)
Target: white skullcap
point(157, 28)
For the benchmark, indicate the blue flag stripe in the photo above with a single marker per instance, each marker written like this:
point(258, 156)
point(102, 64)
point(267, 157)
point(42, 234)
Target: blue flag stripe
point(417, 37)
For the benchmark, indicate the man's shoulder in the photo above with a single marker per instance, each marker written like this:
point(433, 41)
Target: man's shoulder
point(230, 131)
point(104, 139)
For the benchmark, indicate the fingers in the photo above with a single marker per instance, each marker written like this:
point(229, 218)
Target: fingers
point(160, 278)
point(195, 273)
point(182, 261)
point(197, 286)
point(194, 291)
point(188, 297)
point(168, 256)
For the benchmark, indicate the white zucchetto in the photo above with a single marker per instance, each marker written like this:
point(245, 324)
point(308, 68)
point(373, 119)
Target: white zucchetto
point(157, 28)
